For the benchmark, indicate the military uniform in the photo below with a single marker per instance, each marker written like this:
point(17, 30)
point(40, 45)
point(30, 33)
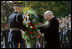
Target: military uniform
point(16, 22)
point(16, 25)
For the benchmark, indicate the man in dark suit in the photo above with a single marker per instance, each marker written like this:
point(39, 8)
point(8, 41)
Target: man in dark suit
point(51, 31)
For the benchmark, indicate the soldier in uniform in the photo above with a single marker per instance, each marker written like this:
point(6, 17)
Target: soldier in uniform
point(16, 25)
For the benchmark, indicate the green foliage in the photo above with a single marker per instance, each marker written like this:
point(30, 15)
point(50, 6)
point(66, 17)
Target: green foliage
point(31, 22)
point(59, 8)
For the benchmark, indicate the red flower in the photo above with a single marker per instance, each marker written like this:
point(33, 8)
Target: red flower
point(33, 27)
point(33, 24)
point(6, 24)
point(38, 35)
point(26, 18)
point(31, 32)
point(30, 23)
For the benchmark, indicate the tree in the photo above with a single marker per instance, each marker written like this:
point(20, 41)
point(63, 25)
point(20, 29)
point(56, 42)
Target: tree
point(6, 10)
point(59, 8)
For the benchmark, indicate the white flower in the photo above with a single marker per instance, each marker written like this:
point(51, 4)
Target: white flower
point(30, 26)
point(28, 21)
point(28, 17)
point(26, 25)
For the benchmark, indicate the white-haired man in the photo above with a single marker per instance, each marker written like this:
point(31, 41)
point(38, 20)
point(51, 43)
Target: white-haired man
point(51, 31)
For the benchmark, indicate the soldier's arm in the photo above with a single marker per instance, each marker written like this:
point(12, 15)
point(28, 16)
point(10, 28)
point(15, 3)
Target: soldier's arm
point(52, 26)
point(20, 21)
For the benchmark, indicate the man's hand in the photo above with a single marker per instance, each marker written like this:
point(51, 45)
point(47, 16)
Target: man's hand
point(40, 24)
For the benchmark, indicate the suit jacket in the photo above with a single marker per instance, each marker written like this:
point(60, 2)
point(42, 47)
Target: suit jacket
point(51, 33)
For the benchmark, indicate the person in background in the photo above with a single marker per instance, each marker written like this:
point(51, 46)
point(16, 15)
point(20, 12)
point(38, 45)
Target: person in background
point(5, 33)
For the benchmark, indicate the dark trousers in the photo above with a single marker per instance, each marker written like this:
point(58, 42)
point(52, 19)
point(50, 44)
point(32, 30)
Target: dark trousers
point(15, 45)
point(7, 45)
point(52, 44)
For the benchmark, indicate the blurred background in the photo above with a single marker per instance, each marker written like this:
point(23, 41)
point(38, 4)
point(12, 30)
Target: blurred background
point(61, 9)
